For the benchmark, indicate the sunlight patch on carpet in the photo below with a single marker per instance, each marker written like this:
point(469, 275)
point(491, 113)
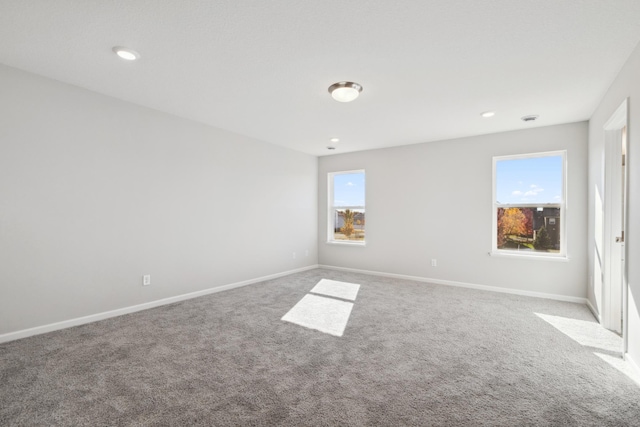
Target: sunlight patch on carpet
point(326, 315)
point(334, 288)
point(595, 336)
point(620, 365)
point(590, 334)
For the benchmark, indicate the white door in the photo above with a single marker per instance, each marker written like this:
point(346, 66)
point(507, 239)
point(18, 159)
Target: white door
point(614, 289)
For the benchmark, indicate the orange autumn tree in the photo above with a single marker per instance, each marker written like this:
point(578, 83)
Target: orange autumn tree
point(528, 213)
point(348, 229)
point(511, 221)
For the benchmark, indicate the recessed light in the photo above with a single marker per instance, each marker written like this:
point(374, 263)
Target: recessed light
point(334, 140)
point(531, 118)
point(345, 91)
point(488, 114)
point(125, 53)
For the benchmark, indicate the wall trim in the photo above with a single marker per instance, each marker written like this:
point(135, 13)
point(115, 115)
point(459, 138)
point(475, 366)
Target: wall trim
point(556, 297)
point(24, 333)
point(594, 311)
point(634, 366)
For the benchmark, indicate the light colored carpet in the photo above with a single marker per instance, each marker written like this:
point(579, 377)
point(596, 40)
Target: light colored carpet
point(410, 354)
point(320, 313)
point(335, 288)
point(329, 315)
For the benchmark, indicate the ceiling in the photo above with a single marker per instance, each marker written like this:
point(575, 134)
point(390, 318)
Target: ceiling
point(262, 68)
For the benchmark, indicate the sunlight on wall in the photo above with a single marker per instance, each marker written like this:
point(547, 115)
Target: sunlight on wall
point(328, 315)
point(597, 281)
point(633, 325)
point(597, 256)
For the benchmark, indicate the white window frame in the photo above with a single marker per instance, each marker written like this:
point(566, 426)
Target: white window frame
point(563, 205)
point(331, 209)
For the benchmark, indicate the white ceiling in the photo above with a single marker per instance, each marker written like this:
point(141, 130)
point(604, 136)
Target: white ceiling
point(262, 68)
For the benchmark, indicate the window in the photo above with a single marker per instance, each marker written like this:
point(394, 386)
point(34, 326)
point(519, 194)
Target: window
point(346, 216)
point(529, 204)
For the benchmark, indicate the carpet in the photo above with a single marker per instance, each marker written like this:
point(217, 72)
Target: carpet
point(410, 354)
point(329, 315)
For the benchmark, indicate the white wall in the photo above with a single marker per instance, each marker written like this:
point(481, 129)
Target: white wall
point(434, 200)
point(95, 192)
point(627, 84)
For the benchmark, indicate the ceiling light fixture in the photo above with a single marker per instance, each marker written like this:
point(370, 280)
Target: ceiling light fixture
point(125, 53)
point(345, 91)
point(334, 140)
point(488, 114)
point(530, 118)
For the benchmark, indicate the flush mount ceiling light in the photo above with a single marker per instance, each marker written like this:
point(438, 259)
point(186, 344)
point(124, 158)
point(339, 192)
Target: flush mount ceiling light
point(488, 114)
point(345, 91)
point(126, 53)
point(531, 118)
point(334, 140)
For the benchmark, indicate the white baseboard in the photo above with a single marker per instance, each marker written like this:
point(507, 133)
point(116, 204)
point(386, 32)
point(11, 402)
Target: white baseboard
point(557, 297)
point(11, 336)
point(634, 366)
point(594, 311)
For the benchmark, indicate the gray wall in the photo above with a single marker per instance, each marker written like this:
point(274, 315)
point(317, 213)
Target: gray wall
point(627, 84)
point(434, 200)
point(96, 192)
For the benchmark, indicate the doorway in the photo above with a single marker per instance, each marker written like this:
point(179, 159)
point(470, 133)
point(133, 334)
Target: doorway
point(614, 288)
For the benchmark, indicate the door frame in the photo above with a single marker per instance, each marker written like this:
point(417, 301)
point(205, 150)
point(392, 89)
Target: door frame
point(614, 295)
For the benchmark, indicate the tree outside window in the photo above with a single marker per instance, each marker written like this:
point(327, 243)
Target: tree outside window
point(529, 204)
point(346, 216)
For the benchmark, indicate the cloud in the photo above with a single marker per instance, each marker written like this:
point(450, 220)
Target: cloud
point(350, 184)
point(557, 198)
point(516, 193)
point(534, 190)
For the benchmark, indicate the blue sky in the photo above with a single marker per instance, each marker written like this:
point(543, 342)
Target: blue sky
point(348, 189)
point(529, 180)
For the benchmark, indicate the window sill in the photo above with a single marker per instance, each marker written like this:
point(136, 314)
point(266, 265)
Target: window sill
point(346, 243)
point(557, 258)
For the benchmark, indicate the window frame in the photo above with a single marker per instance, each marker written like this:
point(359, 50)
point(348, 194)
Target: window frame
point(562, 204)
point(331, 209)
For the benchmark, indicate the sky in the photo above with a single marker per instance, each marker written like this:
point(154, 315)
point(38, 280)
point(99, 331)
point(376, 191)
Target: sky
point(529, 180)
point(348, 189)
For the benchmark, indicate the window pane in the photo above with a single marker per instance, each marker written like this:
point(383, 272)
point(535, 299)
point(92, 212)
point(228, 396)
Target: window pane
point(348, 189)
point(347, 211)
point(349, 224)
point(529, 229)
point(529, 180)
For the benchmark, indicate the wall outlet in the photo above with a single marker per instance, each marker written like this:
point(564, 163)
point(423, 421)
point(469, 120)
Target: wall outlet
point(306, 252)
point(146, 280)
point(294, 255)
point(434, 262)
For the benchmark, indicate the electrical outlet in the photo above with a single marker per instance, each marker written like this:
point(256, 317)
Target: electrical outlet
point(294, 255)
point(434, 262)
point(306, 252)
point(146, 280)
